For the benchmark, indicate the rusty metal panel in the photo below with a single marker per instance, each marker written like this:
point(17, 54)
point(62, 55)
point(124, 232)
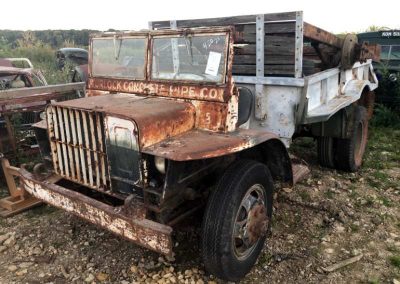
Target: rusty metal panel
point(43, 93)
point(196, 144)
point(74, 142)
point(78, 150)
point(62, 140)
point(68, 144)
point(157, 118)
point(184, 91)
point(210, 115)
point(144, 232)
point(80, 142)
point(52, 126)
point(87, 147)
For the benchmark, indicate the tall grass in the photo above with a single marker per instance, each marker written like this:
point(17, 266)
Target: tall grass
point(41, 55)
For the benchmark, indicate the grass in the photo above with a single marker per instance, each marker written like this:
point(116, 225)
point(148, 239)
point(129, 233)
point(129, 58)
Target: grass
point(354, 228)
point(265, 258)
point(381, 155)
point(395, 260)
point(305, 196)
point(373, 281)
point(382, 150)
point(329, 194)
point(386, 201)
point(42, 57)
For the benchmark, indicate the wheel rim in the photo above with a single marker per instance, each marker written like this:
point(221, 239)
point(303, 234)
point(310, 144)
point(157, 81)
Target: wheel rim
point(250, 222)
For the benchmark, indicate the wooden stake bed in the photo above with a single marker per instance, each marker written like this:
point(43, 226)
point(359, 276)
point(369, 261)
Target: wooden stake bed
point(19, 200)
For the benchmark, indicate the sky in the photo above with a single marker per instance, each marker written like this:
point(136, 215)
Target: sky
point(335, 15)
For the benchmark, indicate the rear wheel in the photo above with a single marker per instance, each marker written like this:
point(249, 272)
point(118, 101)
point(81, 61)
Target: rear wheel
point(350, 151)
point(236, 220)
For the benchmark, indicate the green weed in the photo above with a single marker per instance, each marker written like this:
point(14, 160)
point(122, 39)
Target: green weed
point(395, 260)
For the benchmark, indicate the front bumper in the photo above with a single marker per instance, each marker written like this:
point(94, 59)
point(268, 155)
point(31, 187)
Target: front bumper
point(136, 228)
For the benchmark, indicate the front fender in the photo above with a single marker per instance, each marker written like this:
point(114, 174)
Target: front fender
point(200, 144)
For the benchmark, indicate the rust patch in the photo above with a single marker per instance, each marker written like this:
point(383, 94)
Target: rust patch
point(156, 118)
point(143, 232)
point(183, 91)
point(210, 115)
point(258, 223)
point(195, 144)
point(93, 93)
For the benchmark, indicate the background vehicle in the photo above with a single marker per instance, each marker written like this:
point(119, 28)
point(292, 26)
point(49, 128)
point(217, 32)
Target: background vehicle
point(19, 73)
point(179, 118)
point(72, 55)
point(76, 59)
point(388, 69)
point(389, 40)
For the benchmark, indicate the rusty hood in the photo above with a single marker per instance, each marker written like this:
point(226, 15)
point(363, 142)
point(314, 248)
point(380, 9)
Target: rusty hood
point(156, 118)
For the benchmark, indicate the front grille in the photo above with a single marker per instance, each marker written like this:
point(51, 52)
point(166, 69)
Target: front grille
point(78, 146)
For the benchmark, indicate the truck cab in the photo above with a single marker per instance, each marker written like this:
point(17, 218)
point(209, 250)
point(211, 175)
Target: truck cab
point(177, 120)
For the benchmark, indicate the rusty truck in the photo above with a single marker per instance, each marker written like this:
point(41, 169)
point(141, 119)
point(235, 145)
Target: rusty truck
point(198, 115)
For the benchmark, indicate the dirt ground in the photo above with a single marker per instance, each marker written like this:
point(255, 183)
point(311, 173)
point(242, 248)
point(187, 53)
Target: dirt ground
point(326, 219)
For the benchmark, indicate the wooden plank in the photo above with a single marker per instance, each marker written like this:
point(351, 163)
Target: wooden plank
point(12, 186)
point(225, 21)
point(24, 204)
point(268, 39)
point(274, 60)
point(269, 49)
point(269, 28)
point(320, 35)
point(251, 59)
point(268, 69)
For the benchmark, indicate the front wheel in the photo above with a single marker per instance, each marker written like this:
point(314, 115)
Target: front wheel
point(236, 220)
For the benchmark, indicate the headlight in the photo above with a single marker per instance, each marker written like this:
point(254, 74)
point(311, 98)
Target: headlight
point(121, 133)
point(42, 115)
point(160, 164)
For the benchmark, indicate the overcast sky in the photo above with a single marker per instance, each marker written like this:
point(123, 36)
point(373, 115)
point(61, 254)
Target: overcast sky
point(334, 15)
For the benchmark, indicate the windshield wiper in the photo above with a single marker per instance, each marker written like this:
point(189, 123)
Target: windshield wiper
point(117, 53)
point(189, 47)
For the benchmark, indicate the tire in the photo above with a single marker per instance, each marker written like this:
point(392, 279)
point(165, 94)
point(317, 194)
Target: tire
point(224, 254)
point(325, 147)
point(367, 100)
point(349, 152)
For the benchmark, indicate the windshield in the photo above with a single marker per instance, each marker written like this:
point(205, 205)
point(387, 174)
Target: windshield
point(192, 57)
point(119, 57)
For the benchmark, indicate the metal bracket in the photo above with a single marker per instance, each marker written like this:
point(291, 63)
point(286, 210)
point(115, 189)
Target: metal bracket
point(260, 107)
point(175, 49)
point(298, 63)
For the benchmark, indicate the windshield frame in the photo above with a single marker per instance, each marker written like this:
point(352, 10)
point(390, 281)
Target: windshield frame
point(149, 34)
point(123, 36)
point(183, 35)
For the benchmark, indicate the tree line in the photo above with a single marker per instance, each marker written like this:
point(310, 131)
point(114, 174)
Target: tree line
point(53, 38)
